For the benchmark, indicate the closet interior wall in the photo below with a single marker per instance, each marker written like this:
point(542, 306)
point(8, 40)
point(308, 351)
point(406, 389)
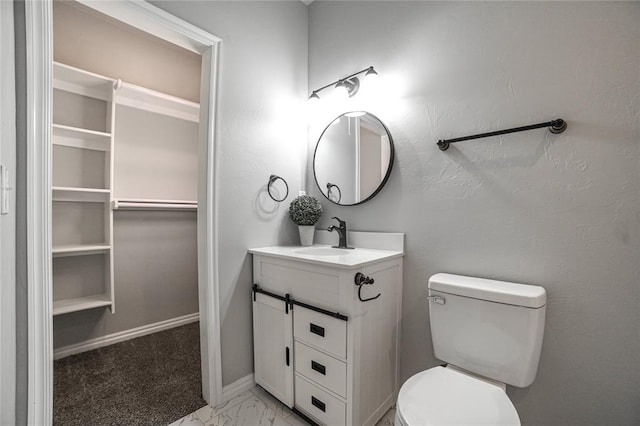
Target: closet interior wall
point(154, 155)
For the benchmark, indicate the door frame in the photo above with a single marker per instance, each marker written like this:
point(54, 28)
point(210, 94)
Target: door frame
point(8, 221)
point(39, 36)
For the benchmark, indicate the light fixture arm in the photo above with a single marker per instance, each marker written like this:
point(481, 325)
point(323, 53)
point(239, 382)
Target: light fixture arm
point(341, 79)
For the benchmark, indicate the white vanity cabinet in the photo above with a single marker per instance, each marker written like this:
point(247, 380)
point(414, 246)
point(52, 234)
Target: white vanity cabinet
point(317, 346)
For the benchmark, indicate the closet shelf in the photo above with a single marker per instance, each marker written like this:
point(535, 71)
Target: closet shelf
point(66, 306)
point(140, 204)
point(150, 100)
point(87, 195)
point(81, 138)
point(79, 249)
point(82, 82)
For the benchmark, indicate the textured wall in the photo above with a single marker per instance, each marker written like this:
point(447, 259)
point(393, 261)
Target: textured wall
point(261, 130)
point(557, 211)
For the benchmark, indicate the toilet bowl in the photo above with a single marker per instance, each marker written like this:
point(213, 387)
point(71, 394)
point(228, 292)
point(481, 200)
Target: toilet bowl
point(446, 396)
point(490, 335)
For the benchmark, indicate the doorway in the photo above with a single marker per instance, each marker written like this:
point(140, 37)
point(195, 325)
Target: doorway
point(157, 23)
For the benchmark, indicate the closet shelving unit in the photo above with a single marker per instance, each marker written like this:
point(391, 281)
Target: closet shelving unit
point(82, 180)
point(94, 117)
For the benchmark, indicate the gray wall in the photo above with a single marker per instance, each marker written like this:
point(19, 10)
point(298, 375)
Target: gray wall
point(557, 211)
point(261, 129)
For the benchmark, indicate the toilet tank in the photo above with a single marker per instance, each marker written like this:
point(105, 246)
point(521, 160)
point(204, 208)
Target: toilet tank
point(490, 328)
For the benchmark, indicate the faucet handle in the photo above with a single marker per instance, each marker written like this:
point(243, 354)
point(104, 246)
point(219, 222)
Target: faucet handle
point(342, 222)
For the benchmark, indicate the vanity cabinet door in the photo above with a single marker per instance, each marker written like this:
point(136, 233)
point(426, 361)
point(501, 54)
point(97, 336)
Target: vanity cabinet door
point(273, 347)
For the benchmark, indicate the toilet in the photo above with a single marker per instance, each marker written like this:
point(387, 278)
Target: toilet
point(490, 335)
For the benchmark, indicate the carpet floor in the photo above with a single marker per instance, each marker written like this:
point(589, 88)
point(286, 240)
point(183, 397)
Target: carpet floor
point(151, 380)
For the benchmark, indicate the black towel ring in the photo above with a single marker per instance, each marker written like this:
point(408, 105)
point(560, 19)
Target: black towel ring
point(272, 179)
point(360, 280)
point(329, 187)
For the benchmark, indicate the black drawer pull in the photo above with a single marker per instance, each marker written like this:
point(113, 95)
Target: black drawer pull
point(318, 404)
point(319, 368)
point(316, 329)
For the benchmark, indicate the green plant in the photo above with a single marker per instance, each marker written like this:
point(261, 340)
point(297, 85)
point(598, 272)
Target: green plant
point(305, 210)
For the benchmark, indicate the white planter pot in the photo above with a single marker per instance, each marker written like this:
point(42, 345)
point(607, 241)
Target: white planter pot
point(306, 234)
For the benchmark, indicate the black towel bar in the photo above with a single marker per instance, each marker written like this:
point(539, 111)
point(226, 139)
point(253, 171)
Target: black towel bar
point(555, 126)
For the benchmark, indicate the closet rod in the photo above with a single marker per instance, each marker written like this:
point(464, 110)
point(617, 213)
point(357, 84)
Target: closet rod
point(555, 126)
point(124, 205)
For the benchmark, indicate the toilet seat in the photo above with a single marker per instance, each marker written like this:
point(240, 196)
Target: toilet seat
point(444, 396)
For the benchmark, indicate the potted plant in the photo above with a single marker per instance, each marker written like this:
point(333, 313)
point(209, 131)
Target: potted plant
point(305, 211)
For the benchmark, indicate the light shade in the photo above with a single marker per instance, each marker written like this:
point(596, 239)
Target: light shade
point(349, 86)
point(371, 74)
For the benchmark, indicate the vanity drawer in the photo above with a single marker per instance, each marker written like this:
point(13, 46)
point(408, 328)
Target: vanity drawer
point(320, 330)
point(319, 404)
point(321, 368)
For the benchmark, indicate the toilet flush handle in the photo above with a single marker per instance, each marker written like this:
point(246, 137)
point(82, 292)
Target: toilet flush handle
point(436, 299)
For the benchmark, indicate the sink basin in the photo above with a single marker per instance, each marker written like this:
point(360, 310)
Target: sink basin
point(322, 251)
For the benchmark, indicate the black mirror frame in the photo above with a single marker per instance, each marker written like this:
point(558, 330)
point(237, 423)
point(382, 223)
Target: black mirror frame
point(384, 180)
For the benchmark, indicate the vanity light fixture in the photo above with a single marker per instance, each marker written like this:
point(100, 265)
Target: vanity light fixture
point(349, 84)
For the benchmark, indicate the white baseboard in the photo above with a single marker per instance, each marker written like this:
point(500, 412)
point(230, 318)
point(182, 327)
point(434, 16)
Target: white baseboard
point(243, 384)
point(122, 336)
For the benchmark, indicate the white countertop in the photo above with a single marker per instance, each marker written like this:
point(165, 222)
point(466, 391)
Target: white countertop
point(345, 259)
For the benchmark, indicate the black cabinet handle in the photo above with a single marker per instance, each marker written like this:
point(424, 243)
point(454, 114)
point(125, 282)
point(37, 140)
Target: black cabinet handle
point(316, 329)
point(318, 404)
point(319, 368)
point(286, 355)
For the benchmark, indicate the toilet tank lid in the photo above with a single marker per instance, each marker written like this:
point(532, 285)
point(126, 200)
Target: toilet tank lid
point(529, 296)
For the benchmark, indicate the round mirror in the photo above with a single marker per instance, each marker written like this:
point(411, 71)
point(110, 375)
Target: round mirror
point(353, 158)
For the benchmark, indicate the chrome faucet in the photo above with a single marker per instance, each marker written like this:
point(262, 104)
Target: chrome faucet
point(341, 229)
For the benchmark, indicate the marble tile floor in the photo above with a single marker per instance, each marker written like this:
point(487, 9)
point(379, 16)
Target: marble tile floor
point(254, 407)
